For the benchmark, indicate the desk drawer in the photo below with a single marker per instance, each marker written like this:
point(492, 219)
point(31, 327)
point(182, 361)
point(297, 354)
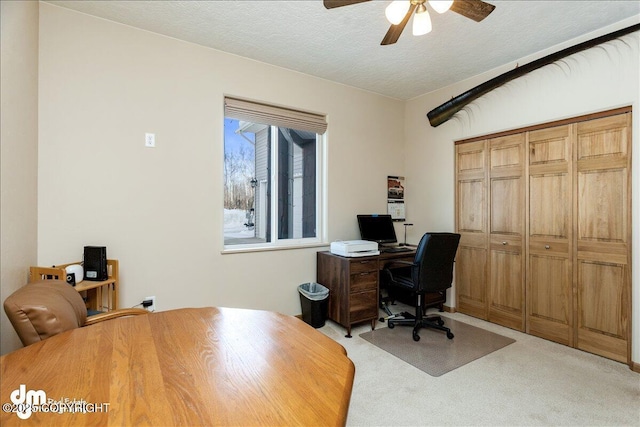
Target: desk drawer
point(363, 306)
point(366, 280)
point(359, 266)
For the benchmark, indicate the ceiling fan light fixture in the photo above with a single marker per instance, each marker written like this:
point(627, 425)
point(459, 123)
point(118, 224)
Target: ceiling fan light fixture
point(441, 6)
point(421, 21)
point(397, 10)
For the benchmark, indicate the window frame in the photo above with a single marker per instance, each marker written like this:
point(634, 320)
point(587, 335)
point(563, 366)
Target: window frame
point(277, 243)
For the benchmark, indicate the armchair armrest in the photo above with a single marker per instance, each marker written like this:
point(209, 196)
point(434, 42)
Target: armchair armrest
point(114, 314)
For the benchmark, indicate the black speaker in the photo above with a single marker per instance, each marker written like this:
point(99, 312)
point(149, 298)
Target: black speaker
point(71, 279)
point(95, 263)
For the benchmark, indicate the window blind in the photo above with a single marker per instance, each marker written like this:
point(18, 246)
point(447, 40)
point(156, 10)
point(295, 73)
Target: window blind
point(270, 115)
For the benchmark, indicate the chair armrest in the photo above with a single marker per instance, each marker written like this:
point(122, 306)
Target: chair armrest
point(396, 271)
point(398, 264)
point(115, 314)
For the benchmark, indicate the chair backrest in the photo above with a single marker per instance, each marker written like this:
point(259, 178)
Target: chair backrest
point(433, 263)
point(42, 309)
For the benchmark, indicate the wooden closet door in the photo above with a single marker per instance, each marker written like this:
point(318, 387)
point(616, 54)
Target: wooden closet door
point(507, 230)
point(550, 255)
point(603, 159)
point(471, 223)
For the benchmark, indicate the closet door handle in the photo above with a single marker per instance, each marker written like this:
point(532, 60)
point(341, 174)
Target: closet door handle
point(504, 243)
point(547, 247)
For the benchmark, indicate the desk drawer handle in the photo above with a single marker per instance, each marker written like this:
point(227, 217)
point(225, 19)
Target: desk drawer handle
point(504, 243)
point(547, 247)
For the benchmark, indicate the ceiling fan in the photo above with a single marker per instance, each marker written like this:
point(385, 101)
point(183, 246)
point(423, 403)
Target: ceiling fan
point(399, 13)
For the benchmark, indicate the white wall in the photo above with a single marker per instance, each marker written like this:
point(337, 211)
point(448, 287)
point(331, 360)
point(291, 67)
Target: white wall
point(594, 80)
point(159, 211)
point(18, 152)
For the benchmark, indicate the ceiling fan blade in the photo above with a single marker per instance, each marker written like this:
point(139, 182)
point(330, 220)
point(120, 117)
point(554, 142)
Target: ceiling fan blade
point(394, 32)
point(472, 9)
point(330, 4)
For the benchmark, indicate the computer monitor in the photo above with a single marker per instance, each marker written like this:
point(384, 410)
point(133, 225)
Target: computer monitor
point(377, 228)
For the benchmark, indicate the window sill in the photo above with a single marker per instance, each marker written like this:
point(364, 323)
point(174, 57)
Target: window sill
point(227, 251)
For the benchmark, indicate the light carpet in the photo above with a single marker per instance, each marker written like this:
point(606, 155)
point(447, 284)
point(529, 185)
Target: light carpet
point(434, 353)
point(531, 382)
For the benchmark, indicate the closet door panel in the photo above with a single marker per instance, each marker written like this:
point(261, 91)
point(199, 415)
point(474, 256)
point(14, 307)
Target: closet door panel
point(507, 299)
point(507, 215)
point(507, 225)
point(602, 315)
point(471, 273)
point(549, 264)
point(471, 223)
point(603, 236)
point(604, 138)
point(602, 194)
point(550, 216)
point(472, 194)
point(550, 310)
point(470, 159)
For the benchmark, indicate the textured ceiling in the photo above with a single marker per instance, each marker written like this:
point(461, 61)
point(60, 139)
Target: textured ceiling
point(343, 44)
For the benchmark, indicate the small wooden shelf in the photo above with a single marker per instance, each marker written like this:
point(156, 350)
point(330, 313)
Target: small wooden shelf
point(99, 296)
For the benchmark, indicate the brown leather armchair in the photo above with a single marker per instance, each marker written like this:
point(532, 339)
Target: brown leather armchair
point(43, 309)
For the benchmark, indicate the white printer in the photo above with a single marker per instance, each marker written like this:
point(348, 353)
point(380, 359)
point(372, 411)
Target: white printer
point(354, 248)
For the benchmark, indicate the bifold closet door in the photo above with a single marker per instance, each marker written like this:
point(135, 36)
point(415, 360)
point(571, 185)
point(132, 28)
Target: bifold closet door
point(507, 230)
point(549, 272)
point(471, 223)
point(603, 236)
point(545, 221)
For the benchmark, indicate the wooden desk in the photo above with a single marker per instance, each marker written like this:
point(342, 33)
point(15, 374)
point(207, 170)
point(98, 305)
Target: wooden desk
point(354, 285)
point(205, 366)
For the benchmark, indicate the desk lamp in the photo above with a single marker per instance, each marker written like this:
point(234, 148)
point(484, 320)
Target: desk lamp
point(406, 224)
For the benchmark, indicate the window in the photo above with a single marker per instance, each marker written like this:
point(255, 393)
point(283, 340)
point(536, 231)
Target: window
point(272, 176)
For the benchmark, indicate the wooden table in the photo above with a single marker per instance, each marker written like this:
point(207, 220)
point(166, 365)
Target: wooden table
point(195, 366)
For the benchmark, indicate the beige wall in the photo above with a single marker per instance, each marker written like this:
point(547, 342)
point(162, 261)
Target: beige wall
point(18, 151)
point(159, 211)
point(591, 81)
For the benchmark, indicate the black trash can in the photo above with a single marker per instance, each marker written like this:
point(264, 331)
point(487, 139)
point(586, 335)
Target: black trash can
point(314, 300)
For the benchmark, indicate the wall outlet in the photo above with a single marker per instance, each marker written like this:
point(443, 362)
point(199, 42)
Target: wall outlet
point(151, 307)
point(149, 139)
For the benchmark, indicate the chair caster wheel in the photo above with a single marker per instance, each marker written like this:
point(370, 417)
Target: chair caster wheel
point(391, 325)
point(449, 335)
point(416, 337)
point(381, 319)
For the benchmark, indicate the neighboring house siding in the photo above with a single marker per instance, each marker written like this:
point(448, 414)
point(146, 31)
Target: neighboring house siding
point(262, 175)
point(297, 191)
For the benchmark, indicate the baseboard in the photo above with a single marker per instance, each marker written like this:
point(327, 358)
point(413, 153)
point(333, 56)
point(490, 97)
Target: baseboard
point(635, 367)
point(445, 308)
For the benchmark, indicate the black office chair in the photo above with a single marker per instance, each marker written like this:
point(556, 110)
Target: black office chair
point(431, 271)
